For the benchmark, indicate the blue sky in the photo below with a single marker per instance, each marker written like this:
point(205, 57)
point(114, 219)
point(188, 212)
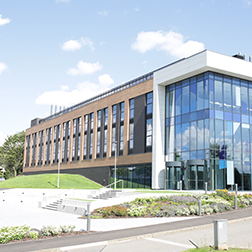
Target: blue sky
point(62, 52)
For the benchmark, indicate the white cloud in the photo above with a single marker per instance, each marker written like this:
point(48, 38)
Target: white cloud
point(170, 42)
point(105, 80)
point(84, 68)
point(103, 13)
point(4, 21)
point(83, 91)
point(136, 9)
point(64, 88)
point(3, 67)
point(73, 45)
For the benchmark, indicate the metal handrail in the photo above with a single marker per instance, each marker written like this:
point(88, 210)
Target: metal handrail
point(115, 183)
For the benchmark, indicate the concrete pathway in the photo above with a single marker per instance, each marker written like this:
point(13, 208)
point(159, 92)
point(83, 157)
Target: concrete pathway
point(112, 231)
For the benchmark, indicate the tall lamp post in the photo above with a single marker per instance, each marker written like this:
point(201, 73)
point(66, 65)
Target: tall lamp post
point(59, 166)
point(115, 165)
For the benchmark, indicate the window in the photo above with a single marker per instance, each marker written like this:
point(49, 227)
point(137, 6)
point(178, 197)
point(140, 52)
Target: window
point(148, 123)
point(57, 129)
point(149, 103)
point(86, 128)
point(121, 133)
point(85, 147)
point(113, 139)
point(105, 143)
point(28, 139)
point(91, 146)
point(149, 132)
point(99, 124)
point(92, 121)
point(34, 145)
point(41, 147)
point(131, 124)
point(106, 116)
point(105, 132)
point(98, 143)
point(132, 109)
point(76, 138)
point(73, 149)
point(121, 139)
point(86, 122)
point(131, 138)
point(114, 114)
point(99, 119)
point(122, 111)
point(74, 126)
point(48, 145)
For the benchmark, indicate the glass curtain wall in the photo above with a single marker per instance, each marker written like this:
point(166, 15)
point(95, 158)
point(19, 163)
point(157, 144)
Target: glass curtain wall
point(209, 117)
point(135, 176)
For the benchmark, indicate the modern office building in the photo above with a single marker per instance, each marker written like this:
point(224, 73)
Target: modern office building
point(189, 121)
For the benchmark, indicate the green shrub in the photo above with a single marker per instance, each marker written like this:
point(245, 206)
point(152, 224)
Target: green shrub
point(33, 235)
point(136, 211)
point(50, 231)
point(13, 233)
point(120, 211)
point(67, 228)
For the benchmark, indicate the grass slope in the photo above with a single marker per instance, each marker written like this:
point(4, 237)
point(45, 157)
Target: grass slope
point(49, 181)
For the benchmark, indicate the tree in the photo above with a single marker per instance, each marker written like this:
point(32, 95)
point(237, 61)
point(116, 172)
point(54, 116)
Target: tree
point(12, 154)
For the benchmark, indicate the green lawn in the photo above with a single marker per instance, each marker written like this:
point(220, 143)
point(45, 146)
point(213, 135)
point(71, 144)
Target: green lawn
point(49, 181)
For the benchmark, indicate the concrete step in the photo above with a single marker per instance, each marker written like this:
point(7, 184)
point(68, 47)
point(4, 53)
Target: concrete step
point(53, 206)
point(107, 194)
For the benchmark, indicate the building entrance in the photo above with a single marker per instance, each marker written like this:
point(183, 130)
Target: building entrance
point(196, 172)
point(192, 173)
point(174, 174)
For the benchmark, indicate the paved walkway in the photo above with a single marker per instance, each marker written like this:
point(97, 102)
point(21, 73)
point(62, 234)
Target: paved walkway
point(112, 229)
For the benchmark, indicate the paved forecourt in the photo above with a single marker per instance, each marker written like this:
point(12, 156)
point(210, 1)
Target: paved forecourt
point(113, 230)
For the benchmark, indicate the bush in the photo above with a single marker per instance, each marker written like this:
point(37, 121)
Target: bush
point(194, 210)
point(33, 235)
point(50, 231)
point(220, 207)
point(183, 211)
point(206, 209)
point(136, 211)
point(13, 233)
point(67, 228)
point(120, 211)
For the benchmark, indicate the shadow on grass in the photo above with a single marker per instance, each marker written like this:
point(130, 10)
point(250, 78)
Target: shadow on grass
point(52, 184)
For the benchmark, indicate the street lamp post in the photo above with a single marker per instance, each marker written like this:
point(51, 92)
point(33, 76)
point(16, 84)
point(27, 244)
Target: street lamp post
point(59, 166)
point(115, 166)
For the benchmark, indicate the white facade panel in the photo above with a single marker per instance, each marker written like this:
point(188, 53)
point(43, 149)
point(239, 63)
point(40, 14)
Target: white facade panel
point(158, 143)
point(185, 68)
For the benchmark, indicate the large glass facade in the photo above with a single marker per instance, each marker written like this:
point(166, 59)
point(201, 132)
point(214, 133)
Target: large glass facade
point(134, 176)
point(209, 118)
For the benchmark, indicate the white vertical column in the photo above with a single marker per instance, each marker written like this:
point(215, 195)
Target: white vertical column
point(158, 136)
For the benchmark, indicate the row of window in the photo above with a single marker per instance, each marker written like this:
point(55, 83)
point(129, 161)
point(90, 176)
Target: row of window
point(117, 136)
point(209, 90)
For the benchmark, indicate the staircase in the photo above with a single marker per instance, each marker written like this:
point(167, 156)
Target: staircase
point(53, 206)
point(107, 194)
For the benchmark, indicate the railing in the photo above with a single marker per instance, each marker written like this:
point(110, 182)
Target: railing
point(115, 183)
point(63, 195)
point(100, 96)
